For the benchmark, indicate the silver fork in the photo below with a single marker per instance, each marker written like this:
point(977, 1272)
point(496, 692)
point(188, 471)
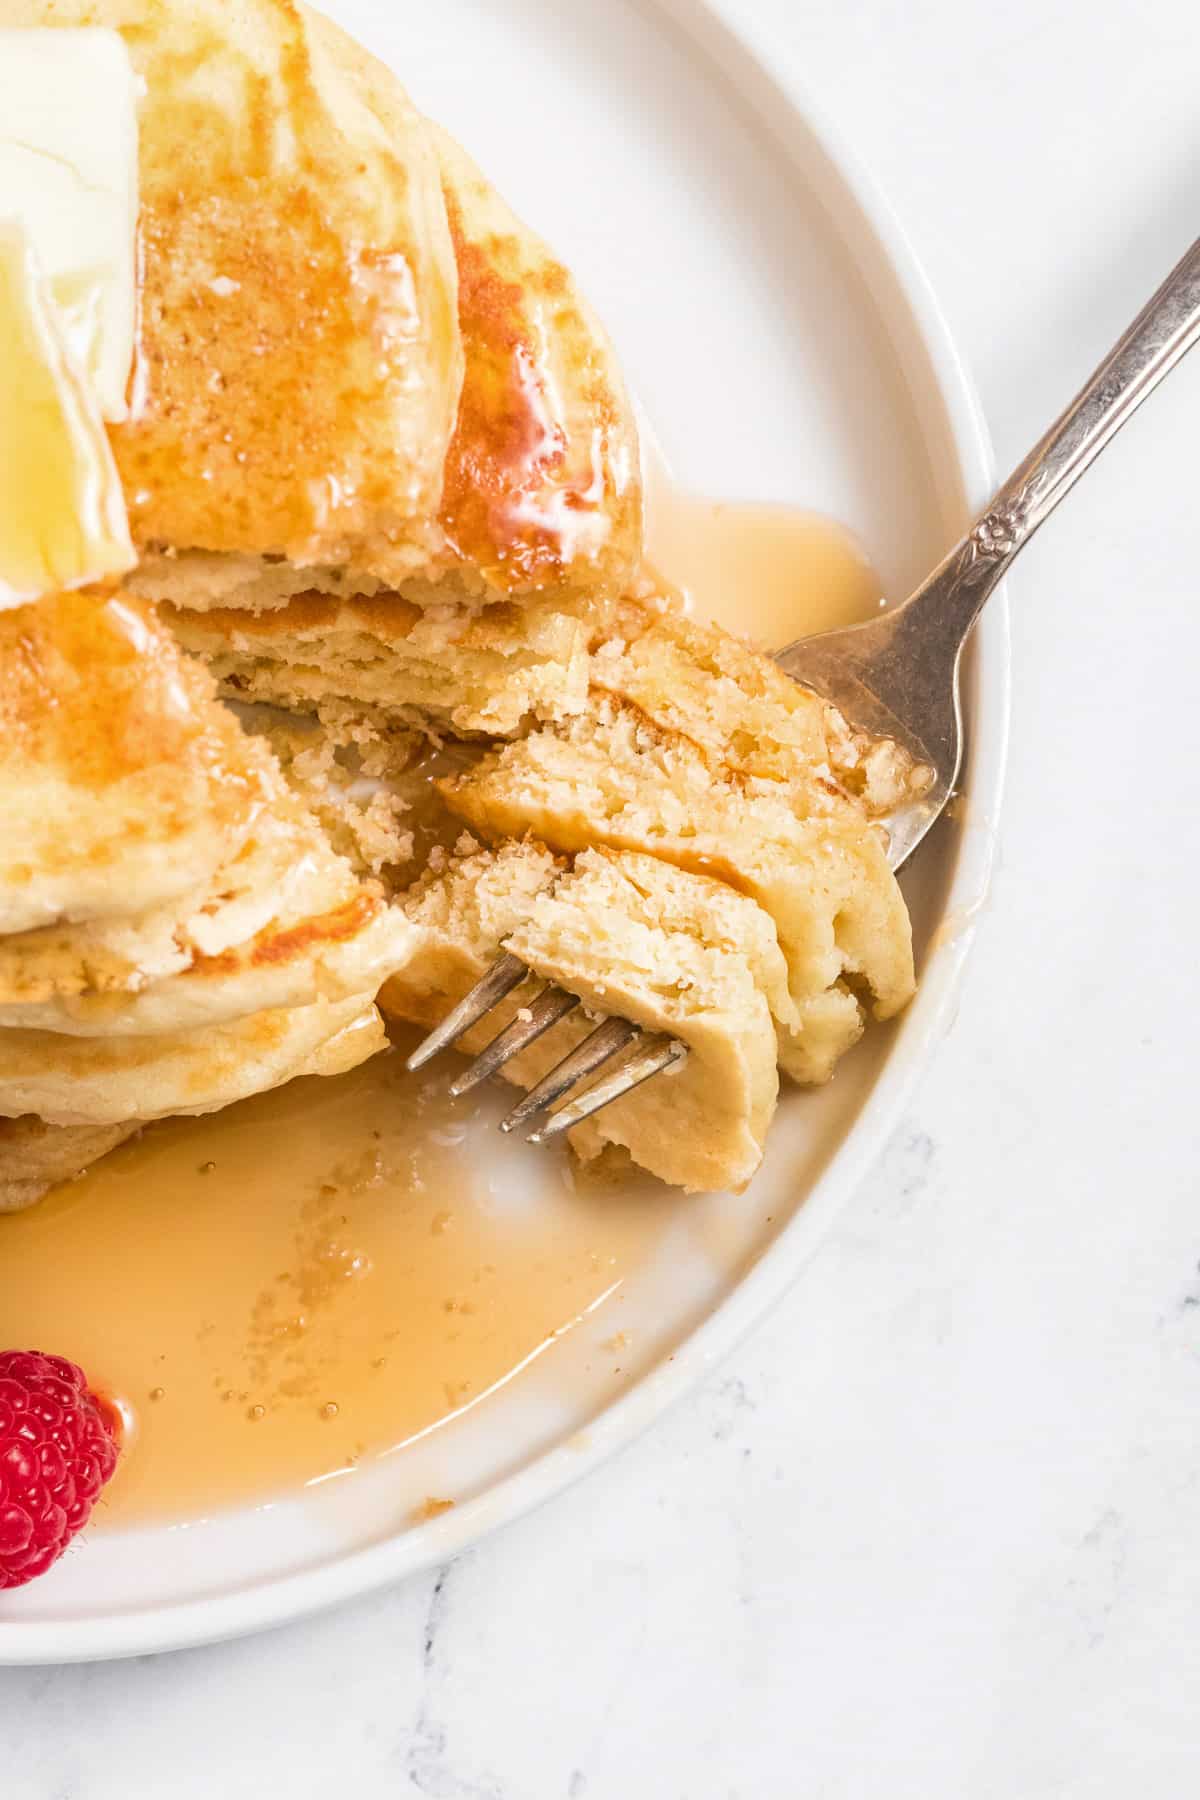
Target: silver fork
point(897, 676)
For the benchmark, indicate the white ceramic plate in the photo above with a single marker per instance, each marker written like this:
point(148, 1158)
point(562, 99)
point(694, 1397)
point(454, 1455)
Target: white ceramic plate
point(781, 337)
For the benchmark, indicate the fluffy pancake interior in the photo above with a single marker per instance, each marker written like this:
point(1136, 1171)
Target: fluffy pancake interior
point(428, 530)
point(470, 672)
point(741, 709)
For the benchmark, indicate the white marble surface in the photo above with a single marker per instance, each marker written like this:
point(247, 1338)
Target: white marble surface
point(934, 1532)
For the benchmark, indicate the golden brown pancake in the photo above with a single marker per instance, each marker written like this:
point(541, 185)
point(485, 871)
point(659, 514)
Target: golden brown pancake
point(175, 930)
point(319, 264)
point(300, 362)
point(542, 491)
point(285, 923)
point(740, 709)
point(360, 375)
point(124, 780)
point(540, 522)
point(543, 480)
point(110, 1081)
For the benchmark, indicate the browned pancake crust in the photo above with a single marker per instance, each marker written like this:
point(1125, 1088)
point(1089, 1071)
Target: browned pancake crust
point(299, 363)
point(116, 761)
point(543, 482)
point(92, 686)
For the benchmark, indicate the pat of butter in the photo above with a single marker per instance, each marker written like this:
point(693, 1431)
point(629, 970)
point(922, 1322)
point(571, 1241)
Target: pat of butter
point(68, 173)
point(62, 513)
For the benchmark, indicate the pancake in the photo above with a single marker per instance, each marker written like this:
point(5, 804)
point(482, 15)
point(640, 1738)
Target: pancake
point(540, 523)
point(542, 491)
point(612, 778)
point(123, 776)
point(360, 376)
point(449, 668)
point(299, 356)
point(543, 478)
point(175, 930)
point(319, 266)
point(113, 1081)
point(355, 775)
point(747, 716)
point(286, 923)
point(464, 908)
point(672, 951)
point(35, 1157)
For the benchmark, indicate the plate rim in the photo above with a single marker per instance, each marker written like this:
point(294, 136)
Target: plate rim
point(745, 60)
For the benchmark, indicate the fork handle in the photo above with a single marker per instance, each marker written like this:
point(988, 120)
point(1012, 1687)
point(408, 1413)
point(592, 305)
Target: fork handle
point(1163, 332)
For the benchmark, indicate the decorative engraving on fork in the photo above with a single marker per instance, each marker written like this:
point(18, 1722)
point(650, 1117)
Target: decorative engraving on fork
point(995, 538)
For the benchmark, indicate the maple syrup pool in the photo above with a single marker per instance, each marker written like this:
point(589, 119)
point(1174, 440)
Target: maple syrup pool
point(284, 1292)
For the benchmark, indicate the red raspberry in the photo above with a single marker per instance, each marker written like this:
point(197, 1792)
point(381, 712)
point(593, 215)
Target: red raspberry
point(58, 1447)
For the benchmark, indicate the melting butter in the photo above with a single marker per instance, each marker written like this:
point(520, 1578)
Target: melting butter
point(69, 175)
point(62, 512)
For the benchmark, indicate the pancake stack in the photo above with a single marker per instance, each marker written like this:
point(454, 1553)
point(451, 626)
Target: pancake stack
point(537, 534)
point(384, 490)
point(175, 931)
point(383, 452)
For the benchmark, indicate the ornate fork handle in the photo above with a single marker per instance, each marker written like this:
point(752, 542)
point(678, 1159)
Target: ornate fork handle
point(1162, 333)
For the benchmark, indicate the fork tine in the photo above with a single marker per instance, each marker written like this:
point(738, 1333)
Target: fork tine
point(659, 1053)
point(604, 1043)
point(551, 1005)
point(505, 974)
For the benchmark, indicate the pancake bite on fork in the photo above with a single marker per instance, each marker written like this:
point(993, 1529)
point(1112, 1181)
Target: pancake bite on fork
point(627, 937)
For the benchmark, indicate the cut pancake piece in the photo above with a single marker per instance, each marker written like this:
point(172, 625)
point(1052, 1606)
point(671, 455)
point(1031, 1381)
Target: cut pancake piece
point(445, 667)
point(35, 1157)
point(300, 361)
point(285, 923)
point(125, 779)
point(370, 783)
point(464, 907)
point(746, 715)
point(541, 489)
point(111, 1081)
point(659, 895)
point(664, 950)
point(348, 767)
point(632, 937)
point(611, 778)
